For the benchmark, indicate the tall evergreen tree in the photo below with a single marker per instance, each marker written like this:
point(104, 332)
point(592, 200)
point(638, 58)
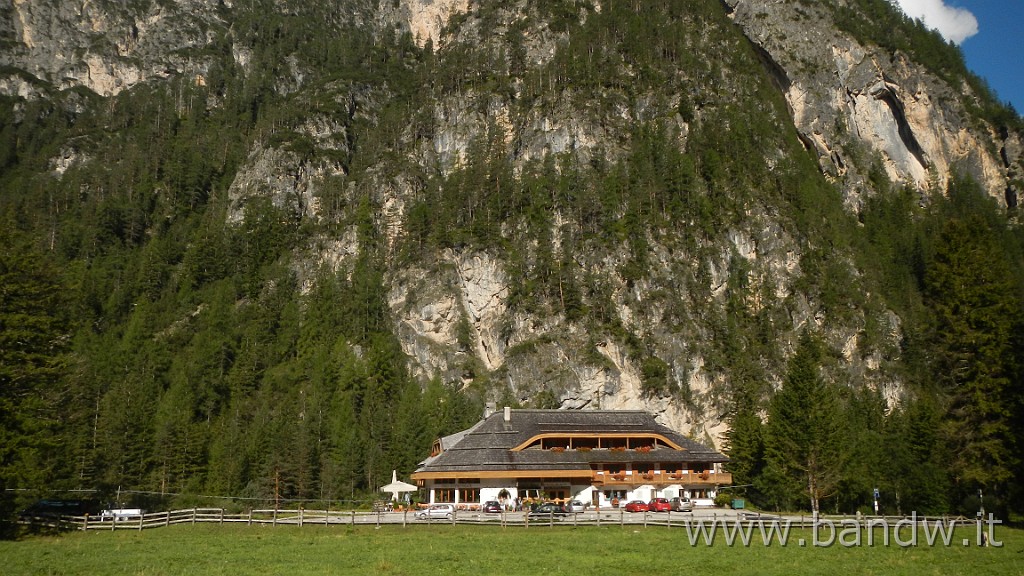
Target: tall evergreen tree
point(970, 288)
point(804, 444)
point(33, 357)
point(920, 476)
point(744, 443)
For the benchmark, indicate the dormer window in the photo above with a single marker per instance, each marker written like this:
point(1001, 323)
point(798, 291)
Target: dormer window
point(588, 442)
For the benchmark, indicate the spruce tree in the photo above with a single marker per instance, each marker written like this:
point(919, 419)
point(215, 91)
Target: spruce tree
point(969, 287)
point(803, 443)
point(33, 358)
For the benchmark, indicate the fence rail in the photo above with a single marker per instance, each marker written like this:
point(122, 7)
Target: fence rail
point(301, 517)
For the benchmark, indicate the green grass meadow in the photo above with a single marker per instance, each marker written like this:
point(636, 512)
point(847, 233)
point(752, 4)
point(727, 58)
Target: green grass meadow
point(479, 551)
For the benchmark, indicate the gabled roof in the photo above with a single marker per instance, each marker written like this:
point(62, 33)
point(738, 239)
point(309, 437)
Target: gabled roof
point(491, 444)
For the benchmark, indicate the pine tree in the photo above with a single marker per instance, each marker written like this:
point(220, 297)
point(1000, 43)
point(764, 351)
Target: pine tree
point(918, 451)
point(969, 286)
point(804, 434)
point(33, 358)
point(745, 445)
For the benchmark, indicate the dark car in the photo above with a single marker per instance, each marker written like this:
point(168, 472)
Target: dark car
point(51, 509)
point(548, 509)
point(636, 506)
point(491, 506)
point(659, 505)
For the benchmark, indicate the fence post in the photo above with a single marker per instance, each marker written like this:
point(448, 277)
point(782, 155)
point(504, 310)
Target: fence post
point(622, 517)
point(275, 518)
point(301, 509)
point(249, 522)
point(142, 517)
point(405, 517)
point(167, 519)
point(85, 522)
point(221, 516)
point(193, 515)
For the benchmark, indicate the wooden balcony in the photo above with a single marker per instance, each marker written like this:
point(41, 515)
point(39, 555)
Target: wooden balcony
point(663, 477)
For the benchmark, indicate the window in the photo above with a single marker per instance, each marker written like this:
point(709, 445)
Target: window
point(469, 495)
point(446, 495)
point(557, 494)
point(615, 494)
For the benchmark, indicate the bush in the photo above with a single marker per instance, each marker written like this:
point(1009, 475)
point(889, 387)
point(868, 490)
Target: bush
point(723, 500)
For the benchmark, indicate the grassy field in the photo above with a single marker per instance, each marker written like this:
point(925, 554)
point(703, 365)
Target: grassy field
point(479, 551)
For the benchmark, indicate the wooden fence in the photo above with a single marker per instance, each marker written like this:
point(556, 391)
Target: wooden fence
point(302, 517)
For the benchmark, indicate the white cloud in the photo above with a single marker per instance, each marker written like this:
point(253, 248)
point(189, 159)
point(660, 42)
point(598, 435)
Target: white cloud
point(955, 24)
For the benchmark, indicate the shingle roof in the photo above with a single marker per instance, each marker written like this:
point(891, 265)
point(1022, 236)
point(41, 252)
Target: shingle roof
point(487, 446)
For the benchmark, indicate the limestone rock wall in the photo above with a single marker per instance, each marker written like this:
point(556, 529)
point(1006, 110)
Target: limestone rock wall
point(845, 96)
point(105, 47)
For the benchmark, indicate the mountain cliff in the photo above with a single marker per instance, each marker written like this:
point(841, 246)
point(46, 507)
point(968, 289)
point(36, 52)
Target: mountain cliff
point(576, 204)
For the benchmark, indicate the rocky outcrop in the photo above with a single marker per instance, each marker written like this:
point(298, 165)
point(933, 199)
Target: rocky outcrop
point(104, 47)
point(845, 97)
point(427, 18)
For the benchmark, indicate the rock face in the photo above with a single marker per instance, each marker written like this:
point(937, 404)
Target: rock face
point(105, 47)
point(855, 106)
point(844, 95)
point(426, 18)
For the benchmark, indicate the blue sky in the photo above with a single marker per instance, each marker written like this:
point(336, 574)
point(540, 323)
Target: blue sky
point(990, 34)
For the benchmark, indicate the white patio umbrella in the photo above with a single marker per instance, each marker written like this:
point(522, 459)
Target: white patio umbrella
point(396, 487)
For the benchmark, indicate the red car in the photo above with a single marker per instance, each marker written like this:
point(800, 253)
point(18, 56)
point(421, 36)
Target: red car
point(659, 505)
point(636, 506)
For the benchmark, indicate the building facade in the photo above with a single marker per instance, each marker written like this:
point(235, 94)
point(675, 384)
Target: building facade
point(602, 457)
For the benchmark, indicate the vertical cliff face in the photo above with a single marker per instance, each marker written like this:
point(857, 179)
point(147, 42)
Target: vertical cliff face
point(846, 97)
point(538, 92)
point(427, 18)
point(107, 47)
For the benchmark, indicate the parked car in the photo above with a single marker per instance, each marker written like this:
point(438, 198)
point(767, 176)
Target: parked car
point(636, 506)
point(445, 511)
point(548, 509)
point(681, 505)
point(492, 507)
point(576, 506)
point(51, 509)
point(121, 514)
point(659, 505)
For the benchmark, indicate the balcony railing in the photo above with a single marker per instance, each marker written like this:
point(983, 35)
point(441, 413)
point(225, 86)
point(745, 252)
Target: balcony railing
point(688, 478)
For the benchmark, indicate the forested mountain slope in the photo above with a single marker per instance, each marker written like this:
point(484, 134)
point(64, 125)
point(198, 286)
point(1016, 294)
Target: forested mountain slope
point(274, 248)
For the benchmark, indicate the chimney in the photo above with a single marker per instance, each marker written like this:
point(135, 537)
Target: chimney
point(508, 418)
point(489, 409)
